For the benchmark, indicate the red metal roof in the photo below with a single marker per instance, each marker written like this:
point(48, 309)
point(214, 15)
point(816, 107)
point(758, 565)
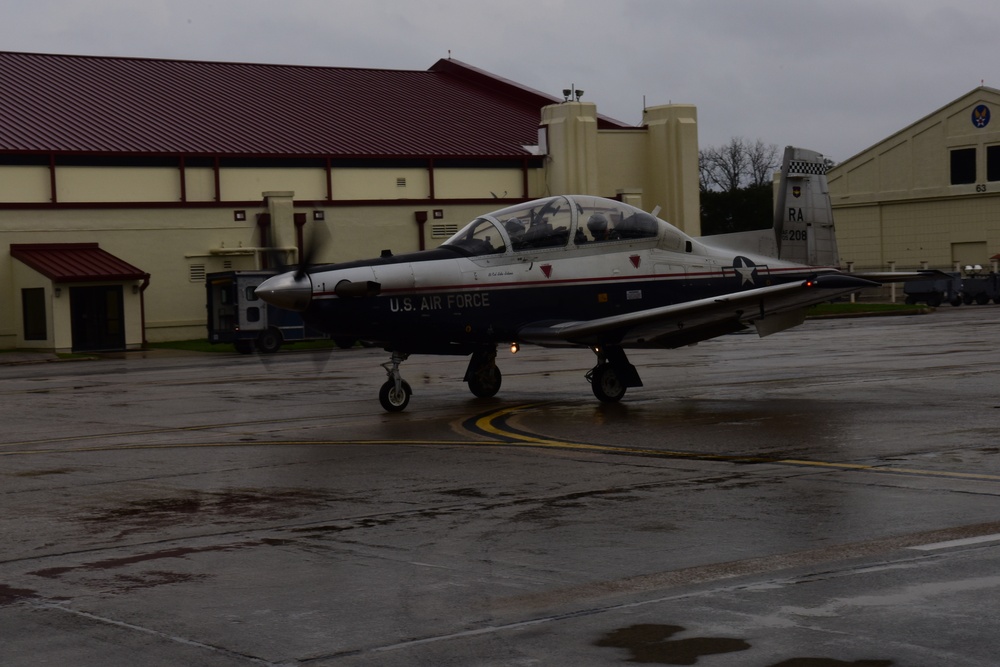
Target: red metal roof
point(75, 262)
point(85, 104)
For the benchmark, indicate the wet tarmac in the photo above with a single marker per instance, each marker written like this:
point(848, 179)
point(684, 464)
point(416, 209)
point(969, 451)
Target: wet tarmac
point(822, 497)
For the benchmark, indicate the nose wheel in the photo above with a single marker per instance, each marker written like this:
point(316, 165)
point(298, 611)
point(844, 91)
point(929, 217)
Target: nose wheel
point(395, 393)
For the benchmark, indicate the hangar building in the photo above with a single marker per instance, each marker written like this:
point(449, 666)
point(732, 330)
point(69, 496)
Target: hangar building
point(927, 196)
point(124, 181)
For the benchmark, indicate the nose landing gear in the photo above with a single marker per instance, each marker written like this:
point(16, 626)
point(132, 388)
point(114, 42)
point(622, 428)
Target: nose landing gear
point(395, 393)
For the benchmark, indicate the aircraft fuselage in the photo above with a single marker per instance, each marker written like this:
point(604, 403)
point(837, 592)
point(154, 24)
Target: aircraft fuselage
point(429, 303)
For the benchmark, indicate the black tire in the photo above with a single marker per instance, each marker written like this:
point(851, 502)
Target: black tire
point(606, 385)
point(344, 343)
point(243, 346)
point(982, 299)
point(934, 300)
point(392, 400)
point(269, 341)
point(485, 383)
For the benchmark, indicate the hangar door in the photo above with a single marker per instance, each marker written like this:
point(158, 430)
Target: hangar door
point(98, 318)
point(964, 254)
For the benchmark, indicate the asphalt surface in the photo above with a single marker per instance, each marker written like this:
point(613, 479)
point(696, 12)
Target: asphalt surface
point(826, 496)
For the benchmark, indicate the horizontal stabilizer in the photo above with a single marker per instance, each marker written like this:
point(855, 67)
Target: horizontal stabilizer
point(901, 276)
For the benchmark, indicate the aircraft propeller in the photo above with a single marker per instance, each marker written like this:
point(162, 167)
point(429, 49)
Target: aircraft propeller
point(311, 239)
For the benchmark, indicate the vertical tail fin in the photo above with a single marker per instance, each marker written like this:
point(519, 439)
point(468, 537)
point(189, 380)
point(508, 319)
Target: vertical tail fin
point(803, 217)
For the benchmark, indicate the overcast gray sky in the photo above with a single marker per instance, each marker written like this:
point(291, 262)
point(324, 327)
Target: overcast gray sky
point(834, 76)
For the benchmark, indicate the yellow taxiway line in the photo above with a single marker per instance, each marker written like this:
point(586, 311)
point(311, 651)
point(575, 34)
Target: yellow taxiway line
point(490, 424)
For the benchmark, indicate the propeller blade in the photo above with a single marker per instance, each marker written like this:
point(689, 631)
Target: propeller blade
point(311, 240)
point(307, 251)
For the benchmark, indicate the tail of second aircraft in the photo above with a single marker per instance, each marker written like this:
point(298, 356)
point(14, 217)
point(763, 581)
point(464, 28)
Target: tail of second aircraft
point(803, 216)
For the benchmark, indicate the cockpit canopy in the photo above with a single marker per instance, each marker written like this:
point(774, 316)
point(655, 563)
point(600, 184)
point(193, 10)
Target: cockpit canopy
point(560, 222)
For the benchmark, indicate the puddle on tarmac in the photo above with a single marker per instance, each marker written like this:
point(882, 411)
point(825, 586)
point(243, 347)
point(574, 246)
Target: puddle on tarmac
point(464, 493)
point(247, 505)
point(43, 473)
point(830, 662)
point(652, 644)
point(10, 595)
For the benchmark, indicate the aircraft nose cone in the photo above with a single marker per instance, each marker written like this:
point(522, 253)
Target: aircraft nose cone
point(285, 291)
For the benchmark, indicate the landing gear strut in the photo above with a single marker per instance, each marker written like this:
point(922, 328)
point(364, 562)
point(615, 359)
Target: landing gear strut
point(483, 376)
point(395, 393)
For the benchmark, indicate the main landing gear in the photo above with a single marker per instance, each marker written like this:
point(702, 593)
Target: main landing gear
point(482, 375)
point(612, 375)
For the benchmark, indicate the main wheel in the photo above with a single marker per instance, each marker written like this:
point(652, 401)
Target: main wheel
point(606, 385)
point(485, 382)
point(392, 400)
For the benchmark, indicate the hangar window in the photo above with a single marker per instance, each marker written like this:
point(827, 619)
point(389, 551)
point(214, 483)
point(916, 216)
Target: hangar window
point(993, 163)
point(963, 166)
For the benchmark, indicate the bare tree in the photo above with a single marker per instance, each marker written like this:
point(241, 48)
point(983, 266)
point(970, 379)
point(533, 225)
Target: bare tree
point(737, 164)
point(736, 186)
point(762, 160)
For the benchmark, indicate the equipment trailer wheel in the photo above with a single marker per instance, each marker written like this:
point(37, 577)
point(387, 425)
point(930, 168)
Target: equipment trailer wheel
point(269, 341)
point(392, 400)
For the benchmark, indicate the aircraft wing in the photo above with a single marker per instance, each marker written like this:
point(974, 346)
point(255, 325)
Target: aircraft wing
point(771, 309)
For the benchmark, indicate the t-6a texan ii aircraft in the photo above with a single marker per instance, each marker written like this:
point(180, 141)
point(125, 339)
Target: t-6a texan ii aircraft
point(579, 271)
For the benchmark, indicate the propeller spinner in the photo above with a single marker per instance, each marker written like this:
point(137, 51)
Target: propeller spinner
point(291, 290)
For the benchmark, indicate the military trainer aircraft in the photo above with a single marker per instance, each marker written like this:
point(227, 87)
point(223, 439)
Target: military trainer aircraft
point(579, 271)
